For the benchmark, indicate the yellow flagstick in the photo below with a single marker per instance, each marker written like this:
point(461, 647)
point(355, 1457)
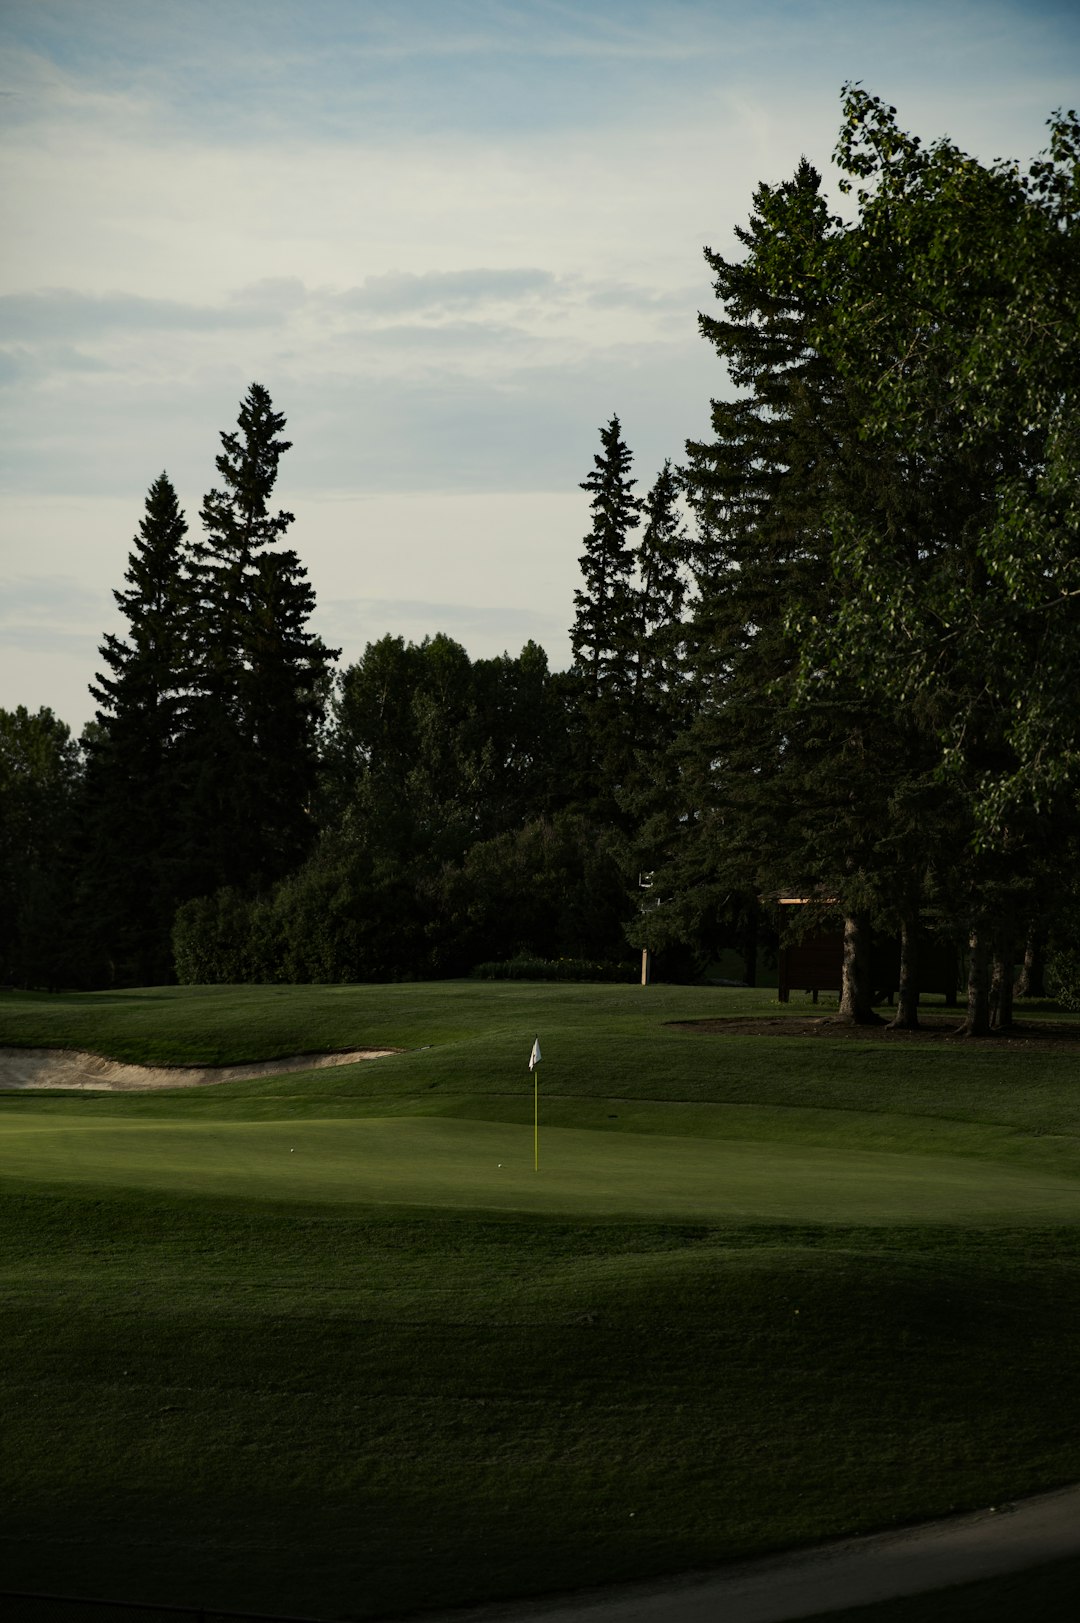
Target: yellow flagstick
point(534, 1062)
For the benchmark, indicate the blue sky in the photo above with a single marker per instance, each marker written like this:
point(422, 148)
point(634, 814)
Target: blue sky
point(450, 238)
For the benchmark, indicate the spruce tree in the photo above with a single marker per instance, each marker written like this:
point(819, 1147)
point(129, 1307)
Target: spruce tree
point(604, 633)
point(134, 872)
point(262, 677)
point(660, 689)
point(782, 787)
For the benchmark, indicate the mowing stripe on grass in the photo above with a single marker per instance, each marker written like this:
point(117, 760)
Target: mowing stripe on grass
point(478, 1165)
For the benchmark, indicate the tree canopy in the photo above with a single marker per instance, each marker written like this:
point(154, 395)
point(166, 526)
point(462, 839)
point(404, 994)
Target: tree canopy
point(834, 653)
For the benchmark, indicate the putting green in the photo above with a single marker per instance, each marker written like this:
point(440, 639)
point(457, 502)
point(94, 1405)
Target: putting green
point(488, 1165)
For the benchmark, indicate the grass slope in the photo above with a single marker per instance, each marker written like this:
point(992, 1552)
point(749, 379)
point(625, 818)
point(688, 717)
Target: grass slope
point(301, 1345)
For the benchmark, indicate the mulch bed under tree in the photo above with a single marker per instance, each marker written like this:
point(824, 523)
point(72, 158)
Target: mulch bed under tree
point(1042, 1034)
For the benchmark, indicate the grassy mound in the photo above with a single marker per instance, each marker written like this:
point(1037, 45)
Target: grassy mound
point(303, 1345)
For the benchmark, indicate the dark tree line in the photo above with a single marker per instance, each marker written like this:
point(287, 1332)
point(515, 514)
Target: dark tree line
point(201, 768)
point(886, 646)
point(833, 654)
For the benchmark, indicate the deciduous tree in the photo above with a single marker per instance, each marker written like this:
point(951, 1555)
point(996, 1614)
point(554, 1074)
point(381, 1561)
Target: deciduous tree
point(951, 307)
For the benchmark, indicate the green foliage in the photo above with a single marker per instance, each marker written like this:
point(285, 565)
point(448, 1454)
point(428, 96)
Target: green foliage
point(338, 918)
point(261, 676)
point(602, 634)
point(526, 968)
point(886, 637)
point(1061, 972)
point(969, 574)
point(354, 913)
point(661, 592)
point(136, 869)
point(553, 888)
point(606, 634)
point(41, 774)
point(868, 696)
point(214, 942)
point(428, 752)
point(1063, 977)
point(764, 789)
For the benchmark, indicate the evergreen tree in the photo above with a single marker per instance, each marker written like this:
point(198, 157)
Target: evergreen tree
point(261, 679)
point(661, 563)
point(778, 786)
point(134, 873)
point(604, 635)
point(760, 487)
point(661, 589)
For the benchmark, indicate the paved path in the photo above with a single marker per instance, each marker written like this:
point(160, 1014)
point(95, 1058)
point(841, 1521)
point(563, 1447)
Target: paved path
point(853, 1572)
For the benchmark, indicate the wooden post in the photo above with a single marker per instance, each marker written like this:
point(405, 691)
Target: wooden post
point(646, 966)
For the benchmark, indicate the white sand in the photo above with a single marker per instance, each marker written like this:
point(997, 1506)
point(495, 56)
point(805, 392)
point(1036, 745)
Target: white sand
point(72, 1068)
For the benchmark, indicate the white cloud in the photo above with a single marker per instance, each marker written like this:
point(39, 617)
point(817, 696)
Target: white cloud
point(450, 237)
point(496, 571)
point(60, 312)
point(395, 291)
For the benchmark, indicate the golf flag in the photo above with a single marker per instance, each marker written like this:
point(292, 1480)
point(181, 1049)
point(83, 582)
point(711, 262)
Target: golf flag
point(534, 1060)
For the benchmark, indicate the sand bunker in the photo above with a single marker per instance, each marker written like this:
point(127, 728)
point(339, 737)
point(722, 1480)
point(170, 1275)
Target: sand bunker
point(72, 1068)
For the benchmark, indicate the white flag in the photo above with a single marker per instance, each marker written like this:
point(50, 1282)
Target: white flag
point(534, 1057)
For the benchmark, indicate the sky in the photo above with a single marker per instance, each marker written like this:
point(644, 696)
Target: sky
point(451, 237)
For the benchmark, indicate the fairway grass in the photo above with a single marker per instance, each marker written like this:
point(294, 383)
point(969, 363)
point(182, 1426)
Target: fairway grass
point(303, 1345)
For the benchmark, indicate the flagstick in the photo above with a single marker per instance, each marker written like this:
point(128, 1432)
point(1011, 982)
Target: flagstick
point(534, 1067)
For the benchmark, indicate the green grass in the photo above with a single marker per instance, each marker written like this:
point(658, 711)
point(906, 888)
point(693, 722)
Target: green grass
point(484, 1166)
point(301, 1345)
point(1044, 1595)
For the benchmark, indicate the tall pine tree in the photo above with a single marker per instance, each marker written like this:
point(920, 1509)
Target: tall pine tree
point(604, 633)
point(782, 787)
point(660, 690)
point(135, 873)
point(262, 677)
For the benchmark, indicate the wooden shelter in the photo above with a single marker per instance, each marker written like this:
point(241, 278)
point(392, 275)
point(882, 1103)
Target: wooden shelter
point(814, 963)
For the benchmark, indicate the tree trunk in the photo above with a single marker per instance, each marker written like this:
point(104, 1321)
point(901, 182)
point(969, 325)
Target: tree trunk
point(1030, 981)
point(977, 1023)
point(907, 998)
point(750, 947)
point(856, 1008)
point(750, 960)
point(1001, 983)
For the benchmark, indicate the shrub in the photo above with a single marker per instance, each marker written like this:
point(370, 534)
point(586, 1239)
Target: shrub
point(1063, 977)
point(527, 968)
